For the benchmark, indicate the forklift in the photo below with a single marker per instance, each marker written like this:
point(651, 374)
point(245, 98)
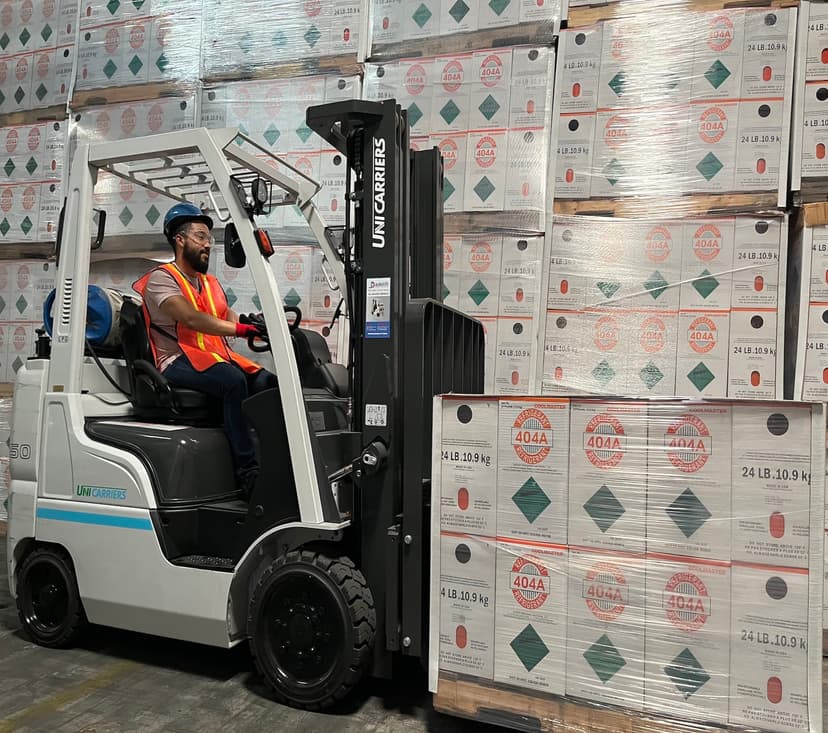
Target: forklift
point(123, 506)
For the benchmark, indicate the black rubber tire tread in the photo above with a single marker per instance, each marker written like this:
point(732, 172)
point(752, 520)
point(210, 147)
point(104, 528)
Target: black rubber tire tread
point(360, 601)
point(77, 621)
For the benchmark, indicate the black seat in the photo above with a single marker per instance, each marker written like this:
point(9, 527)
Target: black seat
point(152, 395)
point(316, 368)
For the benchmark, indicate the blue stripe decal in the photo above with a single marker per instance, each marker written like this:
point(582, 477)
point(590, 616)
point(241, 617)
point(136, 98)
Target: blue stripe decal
point(104, 520)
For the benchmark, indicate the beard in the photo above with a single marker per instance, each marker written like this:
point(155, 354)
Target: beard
point(192, 256)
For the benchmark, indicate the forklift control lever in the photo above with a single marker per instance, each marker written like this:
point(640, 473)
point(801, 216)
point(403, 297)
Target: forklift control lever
point(374, 457)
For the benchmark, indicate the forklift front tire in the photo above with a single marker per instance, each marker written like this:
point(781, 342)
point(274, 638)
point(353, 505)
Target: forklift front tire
point(312, 622)
point(48, 601)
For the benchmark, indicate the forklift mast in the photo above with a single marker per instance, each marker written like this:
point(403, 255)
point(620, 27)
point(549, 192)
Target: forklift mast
point(405, 348)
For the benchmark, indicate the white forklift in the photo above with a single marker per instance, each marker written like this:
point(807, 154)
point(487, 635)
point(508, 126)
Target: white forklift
point(124, 512)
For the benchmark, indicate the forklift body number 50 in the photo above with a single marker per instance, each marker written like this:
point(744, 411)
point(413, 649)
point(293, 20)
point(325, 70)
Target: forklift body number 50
point(20, 450)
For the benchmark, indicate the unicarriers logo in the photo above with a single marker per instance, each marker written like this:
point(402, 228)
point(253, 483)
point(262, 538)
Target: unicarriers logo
point(379, 193)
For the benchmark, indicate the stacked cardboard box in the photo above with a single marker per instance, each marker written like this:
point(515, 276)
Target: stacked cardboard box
point(709, 114)
point(660, 556)
point(690, 307)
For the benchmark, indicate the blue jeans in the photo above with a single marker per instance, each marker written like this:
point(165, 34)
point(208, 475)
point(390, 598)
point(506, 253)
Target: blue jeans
point(232, 386)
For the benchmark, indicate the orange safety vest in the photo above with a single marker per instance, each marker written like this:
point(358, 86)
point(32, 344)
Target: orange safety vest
point(203, 350)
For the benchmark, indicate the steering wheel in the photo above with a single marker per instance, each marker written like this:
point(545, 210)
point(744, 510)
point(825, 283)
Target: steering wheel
point(260, 343)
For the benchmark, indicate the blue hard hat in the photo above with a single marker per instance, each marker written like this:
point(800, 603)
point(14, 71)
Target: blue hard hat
point(182, 213)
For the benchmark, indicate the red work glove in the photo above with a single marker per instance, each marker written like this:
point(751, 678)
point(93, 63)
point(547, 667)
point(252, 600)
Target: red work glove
point(246, 330)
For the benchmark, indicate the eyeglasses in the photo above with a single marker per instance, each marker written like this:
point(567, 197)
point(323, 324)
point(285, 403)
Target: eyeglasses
point(201, 238)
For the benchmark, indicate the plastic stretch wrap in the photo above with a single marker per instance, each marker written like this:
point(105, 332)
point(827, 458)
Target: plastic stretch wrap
point(691, 307)
point(131, 209)
point(598, 563)
point(488, 113)
point(244, 36)
point(395, 22)
point(273, 114)
point(37, 48)
point(496, 279)
point(139, 42)
point(703, 106)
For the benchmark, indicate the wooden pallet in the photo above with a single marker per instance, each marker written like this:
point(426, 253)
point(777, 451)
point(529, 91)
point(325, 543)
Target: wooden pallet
point(26, 251)
point(589, 15)
point(131, 93)
point(342, 65)
point(676, 206)
point(33, 116)
point(486, 702)
point(526, 34)
point(494, 221)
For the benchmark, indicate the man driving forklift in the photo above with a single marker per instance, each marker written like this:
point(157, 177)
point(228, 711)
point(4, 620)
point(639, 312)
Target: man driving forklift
point(189, 322)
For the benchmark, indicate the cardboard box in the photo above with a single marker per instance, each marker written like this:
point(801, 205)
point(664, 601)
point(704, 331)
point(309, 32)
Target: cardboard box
point(421, 20)
point(562, 352)
point(757, 262)
point(651, 359)
point(815, 377)
point(530, 613)
point(771, 484)
point(767, 61)
point(469, 466)
point(769, 657)
point(498, 15)
point(480, 274)
point(514, 356)
point(453, 148)
point(688, 512)
point(604, 352)
point(467, 605)
point(763, 143)
point(702, 361)
point(418, 77)
point(752, 368)
point(520, 276)
point(816, 61)
point(331, 199)
point(490, 90)
point(578, 69)
point(21, 340)
point(490, 335)
point(605, 646)
point(687, 667)
point(707, 266)
point(526, 178)
point(486, 168)
point(711, 144)
point(607, 464)
point(457, 18)
point(451, 109)
point(573, 155)
point(533, 470)
point(529, 101)
point(717, 65)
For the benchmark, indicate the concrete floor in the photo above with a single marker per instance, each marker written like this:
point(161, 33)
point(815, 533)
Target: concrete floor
point(119, 682)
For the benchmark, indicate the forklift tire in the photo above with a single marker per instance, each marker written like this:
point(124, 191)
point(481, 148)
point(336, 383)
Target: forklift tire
point(312, 623)
point(48, 601)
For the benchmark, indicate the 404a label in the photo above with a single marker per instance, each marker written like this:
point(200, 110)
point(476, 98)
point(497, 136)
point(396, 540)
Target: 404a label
point(532, 436)
point(529, 580)
point(605, 441)
point(686, 602)
point(605, 591)
point(689, 444)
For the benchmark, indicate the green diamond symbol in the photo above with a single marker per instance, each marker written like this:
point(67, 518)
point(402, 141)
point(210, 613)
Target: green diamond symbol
point(414, 114)
point(304, 132)
point(9, 167)
point(688, 513)
point(709, 166)
point(230, 296)
point(421, 15)
point(2, 304)
point(617, 83)
point(499, 5)
point(112, 6)
point(4, 41)
point(257, 304)
point(489, 107)
point(242, 130)
point(272, 134)
point(529, 648)
point(446, 293)
point(152, 214)
point(717, 74)
point(449, 111)
point(687, 674)
point(2, 98)
point(312, 36)
point(31, 165)
point(478, 292)
point(21, 304)
point(135, 65)
point(279, 39)
point(26, 225)
point(17, 363)
point(484, 188)
point(531, 500)
point(605, 659)
point(292, 298)
point(46, 33)
point(459, 10)
point(604, 509)
point(700, 376)
point(705, 284)
point(24, 36)
point(109, 68)
point(613, 171)
point(162, 62)
point(651, 375)
point(656, 285)
point(138, 4)
point(41, 92)
point(246, 42)
point(5, 226)
point(603, 372)
point(448, 189)
point(19, 94)
point(608, 288)
point(125, 216)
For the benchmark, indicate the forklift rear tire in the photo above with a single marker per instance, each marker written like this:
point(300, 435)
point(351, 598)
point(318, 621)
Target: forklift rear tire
point(48, 601)
point(312, 622)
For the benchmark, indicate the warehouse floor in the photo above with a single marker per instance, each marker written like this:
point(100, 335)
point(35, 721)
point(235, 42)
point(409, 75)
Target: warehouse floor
point(117, 682)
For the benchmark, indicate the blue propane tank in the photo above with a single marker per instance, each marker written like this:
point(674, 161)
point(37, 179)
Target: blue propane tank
point(103, 310)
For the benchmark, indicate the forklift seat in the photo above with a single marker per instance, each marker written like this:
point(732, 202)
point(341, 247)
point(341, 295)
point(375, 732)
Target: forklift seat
point(316, 368)
point(152, 396)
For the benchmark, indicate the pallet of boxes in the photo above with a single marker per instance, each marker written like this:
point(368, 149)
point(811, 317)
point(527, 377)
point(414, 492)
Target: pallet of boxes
point(637, 544)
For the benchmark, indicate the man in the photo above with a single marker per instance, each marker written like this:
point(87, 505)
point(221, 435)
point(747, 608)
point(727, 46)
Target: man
point(189, 322)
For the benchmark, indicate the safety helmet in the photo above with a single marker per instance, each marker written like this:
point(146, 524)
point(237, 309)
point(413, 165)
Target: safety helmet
point(181, 214)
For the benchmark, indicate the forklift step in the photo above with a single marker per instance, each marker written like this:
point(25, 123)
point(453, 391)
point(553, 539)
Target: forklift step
point(204, 562)
point(233, 506)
